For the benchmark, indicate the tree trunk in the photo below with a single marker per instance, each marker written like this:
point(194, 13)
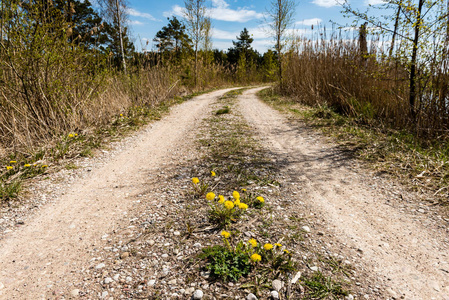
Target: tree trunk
point(120, 35)
point(412, 97)
point(396, 24)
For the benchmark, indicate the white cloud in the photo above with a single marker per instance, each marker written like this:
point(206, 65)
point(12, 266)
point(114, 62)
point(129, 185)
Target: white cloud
point(135, 13)
point(220, 11)
point(327, 3)
point(310, 22)
point(134, 22)
point(374, 2)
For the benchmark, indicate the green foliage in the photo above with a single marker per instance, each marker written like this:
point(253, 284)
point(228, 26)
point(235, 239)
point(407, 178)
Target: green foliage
point(9, 190)
point(225, 263)
point(224, 110)
point(321, 287)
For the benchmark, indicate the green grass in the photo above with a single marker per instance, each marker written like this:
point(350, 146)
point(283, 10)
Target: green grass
point(319, 286)
point(10, 190)
point(419, 163)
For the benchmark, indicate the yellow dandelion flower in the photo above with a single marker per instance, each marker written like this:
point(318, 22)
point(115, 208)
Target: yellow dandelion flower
point(261, 199)
point(210, 196)
point(212, 173)
point(9, 168)
point(244, 190)
point(27, 165)
point(70, 135)
point(278, 245)
point(225, 234)
point(256, 257)
point(76, 134)
point(236, 195)
point(221, 199)
point(195, 180)
point(229, 205)
point(286, 251)
point(268, 247)
point(121, 115)
point(243, 206)
point(13, 162)
point(237, 202)
point(44, 166)
point(253, 243)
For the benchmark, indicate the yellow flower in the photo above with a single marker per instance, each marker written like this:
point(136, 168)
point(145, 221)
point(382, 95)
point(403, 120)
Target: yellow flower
point(229, 205)
point(243, 206)
point(121, 115)
point(253, 243)
point(256, 257)
point(261, 199)
point(195, 180)
point(9, 168)
point(76, 134)
point(278, 245)
point(225, 234)
point(210, 196)
point(244, 190)
point(27, 165)
point(268, 247)
point(70, 135)
point(13, 162)
point(44, 166)
point(286, 251)
point(237, 202)
point(212, 173)
point(221, 199)
point(236, 195)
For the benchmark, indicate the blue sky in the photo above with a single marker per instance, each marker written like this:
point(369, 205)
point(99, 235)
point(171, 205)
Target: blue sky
point(229, 17)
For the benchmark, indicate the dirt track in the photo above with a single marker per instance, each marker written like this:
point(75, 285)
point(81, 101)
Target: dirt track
point(47, 249)
point(412, 258)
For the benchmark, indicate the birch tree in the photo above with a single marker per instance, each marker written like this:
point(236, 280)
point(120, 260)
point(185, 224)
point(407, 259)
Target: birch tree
point(197, 25)
point(280, 16)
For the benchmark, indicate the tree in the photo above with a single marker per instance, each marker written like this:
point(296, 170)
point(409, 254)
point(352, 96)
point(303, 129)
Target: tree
point(280, 16)
point(172, 38)
point(114, 11)
point(242, 54)
point(196, 24)
point(417, 26)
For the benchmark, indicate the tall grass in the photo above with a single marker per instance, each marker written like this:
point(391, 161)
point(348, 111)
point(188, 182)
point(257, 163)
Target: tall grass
point(371, 87)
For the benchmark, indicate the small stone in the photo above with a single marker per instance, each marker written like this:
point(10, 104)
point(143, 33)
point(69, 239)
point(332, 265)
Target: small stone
point(172, 282)
point(306, 228)
point(108, 280)
point(320, 233)
point(296, 277)
point(104, 294)
point(124, 255)
point(392, 293)
point(197, 295)
point(314, 268)
point(197, 245)
point(100, 266)
point(151, 282)
point(277, 285)
point(75, 293)
point(128, 278)
point(175, 295)
point(151, 242)
point(421, 211)
point(165, 255)
point(182, 291)
point(2, 286)
point(190, 291)
point(274, 295)
point(116, 277)
point(251, 297)
point(176, 233)
point(349, 297)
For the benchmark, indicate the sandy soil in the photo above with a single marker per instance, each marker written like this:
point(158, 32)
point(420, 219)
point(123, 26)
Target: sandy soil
point(411, 255)
point(47, 249)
